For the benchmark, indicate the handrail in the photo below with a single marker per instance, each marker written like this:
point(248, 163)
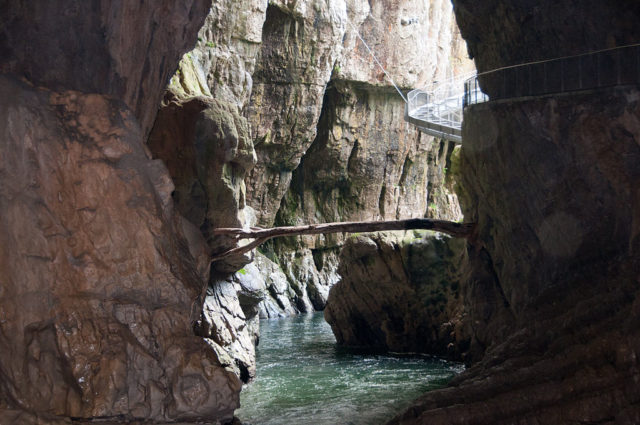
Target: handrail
point(603, 68)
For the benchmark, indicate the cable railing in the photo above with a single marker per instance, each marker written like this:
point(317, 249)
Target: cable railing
point(604, 68)
point(438, 109)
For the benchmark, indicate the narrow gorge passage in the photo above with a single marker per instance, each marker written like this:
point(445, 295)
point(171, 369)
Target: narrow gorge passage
point(304, 378)
point(132, 131)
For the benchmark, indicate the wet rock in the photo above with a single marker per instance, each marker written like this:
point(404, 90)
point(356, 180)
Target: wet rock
point(277, 302)
point(229, 322)
point(400, 295)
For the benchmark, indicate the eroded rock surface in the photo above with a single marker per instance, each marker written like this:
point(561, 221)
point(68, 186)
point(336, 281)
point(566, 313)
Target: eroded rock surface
point(400, 295)
point(101, 279)
point(260, 72)
point(552, 182)
point(99, 287)
point(126, 50)
point(366, 162)
point(204, 139)
point(301, 42)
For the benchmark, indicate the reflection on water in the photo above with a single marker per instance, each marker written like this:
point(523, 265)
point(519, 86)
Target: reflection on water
point(305, 379)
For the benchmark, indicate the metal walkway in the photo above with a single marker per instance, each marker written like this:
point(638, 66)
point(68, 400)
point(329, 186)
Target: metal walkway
point(437, 111)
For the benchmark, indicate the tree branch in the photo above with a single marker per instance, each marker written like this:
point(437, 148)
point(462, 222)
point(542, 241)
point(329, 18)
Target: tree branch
point(459, 230)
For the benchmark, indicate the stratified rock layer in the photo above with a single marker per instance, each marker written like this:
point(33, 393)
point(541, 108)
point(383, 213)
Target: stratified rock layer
point(400, 296)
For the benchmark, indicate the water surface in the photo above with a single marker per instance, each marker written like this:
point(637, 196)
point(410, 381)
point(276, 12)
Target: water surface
point(305, 379)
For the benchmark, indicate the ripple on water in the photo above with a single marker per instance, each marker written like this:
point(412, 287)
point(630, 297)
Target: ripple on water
point(303, 378)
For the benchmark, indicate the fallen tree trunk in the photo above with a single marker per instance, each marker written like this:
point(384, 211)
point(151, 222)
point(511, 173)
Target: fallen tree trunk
point(459, 230)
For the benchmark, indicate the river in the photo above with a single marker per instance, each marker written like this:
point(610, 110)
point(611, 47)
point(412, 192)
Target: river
point(304, 378)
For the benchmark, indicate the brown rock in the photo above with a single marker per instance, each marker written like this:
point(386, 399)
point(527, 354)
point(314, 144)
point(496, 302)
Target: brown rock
point(126, 50)
point(99, 288)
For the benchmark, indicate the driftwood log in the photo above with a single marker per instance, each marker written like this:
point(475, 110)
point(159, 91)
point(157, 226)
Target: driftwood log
point(260, 236)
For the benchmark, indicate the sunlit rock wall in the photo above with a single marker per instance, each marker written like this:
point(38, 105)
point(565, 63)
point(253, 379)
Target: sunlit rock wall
point(293, 82)
point(366, 162)
point(400, 295)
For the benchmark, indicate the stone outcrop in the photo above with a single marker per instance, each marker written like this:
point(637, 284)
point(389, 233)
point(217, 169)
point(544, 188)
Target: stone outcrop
point(552, 182)
point(400, 295)
point(102, 279)
point(100, 288)
point(205, 141)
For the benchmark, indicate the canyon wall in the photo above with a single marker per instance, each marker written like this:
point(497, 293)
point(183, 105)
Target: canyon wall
point(552, 182)
point(102, 280)
point(280, 116)
point(364, 161)
point(109, 305)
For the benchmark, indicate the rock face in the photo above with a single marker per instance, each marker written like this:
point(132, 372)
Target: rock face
point(102, 280)
point(300, 44)
point(400, 295)
point(294, 81)
point(202, 136)
point(552, 183)
point(365, 162)
point(47, 40)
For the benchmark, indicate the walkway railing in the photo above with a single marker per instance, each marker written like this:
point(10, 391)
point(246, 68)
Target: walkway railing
point(604, 68)
point(437, 110)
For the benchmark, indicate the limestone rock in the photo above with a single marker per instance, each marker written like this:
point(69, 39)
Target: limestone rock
point(400, 296)
point(229, 321)
point(204, 139)
point(300, 44)
point(366, 162)
point(552, 182)
point(277, 302)
point(206, 146)
point(99, 288)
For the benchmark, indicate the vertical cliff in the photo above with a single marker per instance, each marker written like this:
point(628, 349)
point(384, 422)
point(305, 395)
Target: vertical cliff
point(552, 182)
point(366, 162)
point(279, 115)
point(101, 278)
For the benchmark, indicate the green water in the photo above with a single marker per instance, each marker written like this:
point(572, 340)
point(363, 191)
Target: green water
point(305, 379)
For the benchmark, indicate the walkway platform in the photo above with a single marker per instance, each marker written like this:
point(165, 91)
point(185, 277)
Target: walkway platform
point(438, 111)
